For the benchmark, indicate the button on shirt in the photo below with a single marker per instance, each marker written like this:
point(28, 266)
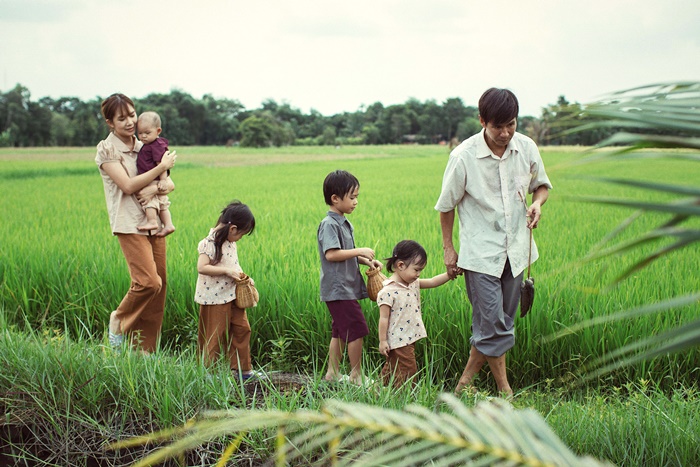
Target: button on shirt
point(340, 280)
point(489, 193)
point(405, 320)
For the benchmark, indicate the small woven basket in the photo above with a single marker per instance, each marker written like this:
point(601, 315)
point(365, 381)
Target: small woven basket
point(375, 280)
point(246, 294)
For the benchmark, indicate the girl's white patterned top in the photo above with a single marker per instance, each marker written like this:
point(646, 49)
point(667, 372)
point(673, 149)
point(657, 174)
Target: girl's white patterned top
point(405, 320)
point(217, 290)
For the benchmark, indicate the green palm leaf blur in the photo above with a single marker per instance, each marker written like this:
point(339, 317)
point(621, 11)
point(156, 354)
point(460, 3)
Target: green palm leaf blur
point(655, 121)
point(492, 433)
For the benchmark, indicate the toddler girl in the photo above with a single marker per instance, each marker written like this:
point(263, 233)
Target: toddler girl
point(400, 321)
point(223, 327)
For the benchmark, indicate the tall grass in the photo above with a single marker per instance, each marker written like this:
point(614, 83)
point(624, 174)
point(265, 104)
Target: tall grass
point(61, 268)
point(74, 396)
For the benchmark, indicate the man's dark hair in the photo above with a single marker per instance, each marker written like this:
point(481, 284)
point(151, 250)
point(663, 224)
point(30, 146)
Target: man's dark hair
point(498, 106)
point(339, 183)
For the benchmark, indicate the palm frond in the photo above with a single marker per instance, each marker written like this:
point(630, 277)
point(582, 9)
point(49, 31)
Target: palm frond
point(666, 305)
point(674, 340)
point(665, 116)
point(341, 433)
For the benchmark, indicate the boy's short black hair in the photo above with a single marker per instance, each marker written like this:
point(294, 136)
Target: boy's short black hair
point(498, 106)
point(339, 182)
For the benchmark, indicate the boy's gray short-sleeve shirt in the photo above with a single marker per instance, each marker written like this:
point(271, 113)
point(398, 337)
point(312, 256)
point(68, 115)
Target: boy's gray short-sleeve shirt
point(340, 280)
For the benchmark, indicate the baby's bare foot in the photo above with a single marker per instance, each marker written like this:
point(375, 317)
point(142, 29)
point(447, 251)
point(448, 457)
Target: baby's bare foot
point(147, 226)
point(166, 230)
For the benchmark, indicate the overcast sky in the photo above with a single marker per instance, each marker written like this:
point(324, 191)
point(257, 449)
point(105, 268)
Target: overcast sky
point(336, 56)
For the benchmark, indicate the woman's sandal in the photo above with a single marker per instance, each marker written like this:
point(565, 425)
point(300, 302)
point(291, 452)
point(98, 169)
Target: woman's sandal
point(115, 340)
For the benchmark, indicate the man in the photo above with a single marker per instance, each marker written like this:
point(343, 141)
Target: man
point(487, 179)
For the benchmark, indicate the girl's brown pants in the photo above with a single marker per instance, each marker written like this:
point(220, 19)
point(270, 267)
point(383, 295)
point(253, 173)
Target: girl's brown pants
point(224, 331)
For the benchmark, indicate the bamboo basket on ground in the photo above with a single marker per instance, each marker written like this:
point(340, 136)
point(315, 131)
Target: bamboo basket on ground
point(246, 294)
point(375, 280)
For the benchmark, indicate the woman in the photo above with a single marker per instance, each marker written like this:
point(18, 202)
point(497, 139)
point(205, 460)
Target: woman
point(140, 313)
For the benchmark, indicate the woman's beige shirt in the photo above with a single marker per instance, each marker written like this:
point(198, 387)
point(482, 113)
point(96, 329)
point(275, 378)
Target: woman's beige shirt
point(125, 212)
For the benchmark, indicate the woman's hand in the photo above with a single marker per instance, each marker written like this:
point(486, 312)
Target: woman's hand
point(165, 186)
point(146, 193)
point(168, 160)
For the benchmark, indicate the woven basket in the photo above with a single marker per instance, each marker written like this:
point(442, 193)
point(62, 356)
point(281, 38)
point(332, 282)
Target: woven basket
point(375, 280)
point(246, 294)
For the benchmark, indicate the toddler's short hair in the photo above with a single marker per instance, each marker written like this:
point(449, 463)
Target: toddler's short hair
point(150, 117)
point(339, 182)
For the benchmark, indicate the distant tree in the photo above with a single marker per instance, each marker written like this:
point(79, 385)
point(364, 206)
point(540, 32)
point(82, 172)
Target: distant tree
point(395, 122)
point(328, 138)
point(221, 122)
point(468, 127)
point(61, 131)
point(432, 122)
point(370, 134)
point(455, 112)
point(14, 116)
point(256, 132)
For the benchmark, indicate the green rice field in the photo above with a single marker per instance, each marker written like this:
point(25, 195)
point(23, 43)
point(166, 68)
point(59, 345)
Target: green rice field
point(62, 269)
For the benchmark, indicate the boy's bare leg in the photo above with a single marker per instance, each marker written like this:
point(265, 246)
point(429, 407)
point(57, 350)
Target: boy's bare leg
point(167, 221)
point(334, 354)
point(474, 364)
point(151, 220)
point(355, 357)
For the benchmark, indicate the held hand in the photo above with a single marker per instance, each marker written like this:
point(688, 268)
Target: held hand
point(165, 186)
point(144, 195)
point(366, 252)
point(376, 264)
point(534, 213)
point(384, 348)
point(451, 263)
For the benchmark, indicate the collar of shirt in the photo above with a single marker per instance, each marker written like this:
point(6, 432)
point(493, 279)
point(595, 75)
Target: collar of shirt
point(392, 281)
point(120, 146)
point(337, 217)
point(483, 150)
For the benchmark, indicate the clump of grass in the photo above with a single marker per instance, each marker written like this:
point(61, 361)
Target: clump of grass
point(73, 396)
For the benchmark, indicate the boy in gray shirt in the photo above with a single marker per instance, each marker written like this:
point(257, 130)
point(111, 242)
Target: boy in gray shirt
point(341, 283)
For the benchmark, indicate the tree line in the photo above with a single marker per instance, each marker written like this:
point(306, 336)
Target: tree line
point(69, 121)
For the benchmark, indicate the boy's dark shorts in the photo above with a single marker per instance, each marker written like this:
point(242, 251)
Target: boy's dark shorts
point(348, 320)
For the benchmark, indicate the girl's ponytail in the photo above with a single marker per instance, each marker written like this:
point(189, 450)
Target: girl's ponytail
point(238, 214)
point(409, 252)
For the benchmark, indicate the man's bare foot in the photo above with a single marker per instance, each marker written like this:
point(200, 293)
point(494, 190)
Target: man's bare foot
point(505, 393)
point(465, 388)
point(148, 226)
point(166, 230)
